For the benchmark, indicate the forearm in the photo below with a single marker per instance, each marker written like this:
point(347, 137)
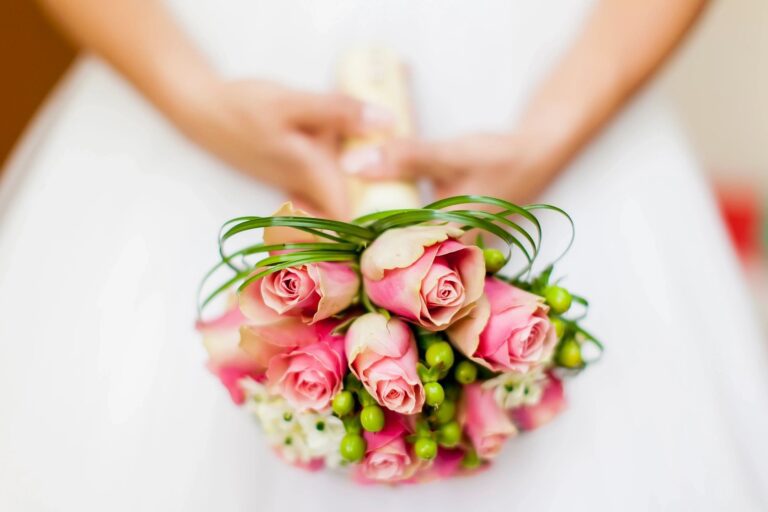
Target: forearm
point(622, 44)
point(142, 41)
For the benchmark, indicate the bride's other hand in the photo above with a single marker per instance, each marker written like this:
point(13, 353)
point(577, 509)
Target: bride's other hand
point(621, 45)
point(500, 165)
point(287, 138)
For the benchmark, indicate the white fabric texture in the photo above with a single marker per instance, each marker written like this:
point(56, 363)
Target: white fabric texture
point(108, 219)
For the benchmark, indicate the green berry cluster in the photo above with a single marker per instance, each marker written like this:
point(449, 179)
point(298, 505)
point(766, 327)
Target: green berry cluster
point(359, 411)
point(571, 336)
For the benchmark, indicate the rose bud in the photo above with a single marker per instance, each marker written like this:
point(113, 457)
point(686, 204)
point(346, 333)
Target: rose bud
point(387, 455)
point(508, 330)
point(312, 292)
point(382, 354)
point(423, 274)
point(308, 377)
point(552, 402)
point(485, 423)
point(225, 357)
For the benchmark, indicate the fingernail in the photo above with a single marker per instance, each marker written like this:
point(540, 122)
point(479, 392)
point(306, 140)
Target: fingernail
point(357, 160)
point(376, 117)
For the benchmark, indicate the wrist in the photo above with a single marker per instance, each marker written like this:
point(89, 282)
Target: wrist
point(544, 151)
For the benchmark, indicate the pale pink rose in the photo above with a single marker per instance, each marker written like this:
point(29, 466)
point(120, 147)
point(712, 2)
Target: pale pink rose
point(552, 402)
point(226, 359)
point(308, 377)
point(485, 423)
point(508, 330)
point(264, 342)
point(312, 292)
point(423, 274)
point(388, 457)
point(383, 355)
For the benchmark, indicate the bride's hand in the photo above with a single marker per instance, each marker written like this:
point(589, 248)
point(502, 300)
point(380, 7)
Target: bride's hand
point(287, 138)
point(500, 165)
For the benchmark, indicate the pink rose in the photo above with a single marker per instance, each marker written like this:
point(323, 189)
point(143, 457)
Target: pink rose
point(225, 357)
point(484, 421)
point(313, 292)
point(446, 464)
point(507, 331)
point(383, 355)
point(264, 342)
point(423, 274)
point(308, 377)
point(552, 402)
point(388, 457)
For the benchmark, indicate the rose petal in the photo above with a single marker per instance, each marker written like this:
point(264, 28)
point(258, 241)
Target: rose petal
point(338, 285)
point(400, 247)
point(485, 423)
point(284, 235)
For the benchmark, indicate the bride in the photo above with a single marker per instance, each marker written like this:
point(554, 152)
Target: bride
point(110, 205)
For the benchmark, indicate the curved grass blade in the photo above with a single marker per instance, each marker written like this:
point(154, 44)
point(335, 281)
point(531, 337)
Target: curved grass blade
point(340, 228)
point(380, 215)
point(491, 201)
point(301, 248)
point(418, 216)
point(288, 264)
point(570, 222)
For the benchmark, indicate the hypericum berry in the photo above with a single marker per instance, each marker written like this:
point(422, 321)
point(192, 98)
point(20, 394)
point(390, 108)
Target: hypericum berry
point(343, 403)
point(372, 418)
point(352, 424)
point(426, 340)
point(494, 260)
point(365, 397)
point(559, 326)
point(558, 298)
point(449, 434)
point(440, 354)
point(569, 354)
point(470, 460)
point(352, 447)
point(445, 412)
point(465, 373)
point(425, 448)
point(434, 393)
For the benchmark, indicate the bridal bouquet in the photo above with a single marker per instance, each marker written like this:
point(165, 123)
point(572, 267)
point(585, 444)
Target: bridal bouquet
point(391, 346)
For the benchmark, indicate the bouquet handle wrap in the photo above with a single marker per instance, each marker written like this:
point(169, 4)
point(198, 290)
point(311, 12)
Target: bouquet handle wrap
point(378, 77)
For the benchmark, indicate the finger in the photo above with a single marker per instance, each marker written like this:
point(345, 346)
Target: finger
point(407, 159)
point(324, 184)
point(341, 114)
point(305, 205)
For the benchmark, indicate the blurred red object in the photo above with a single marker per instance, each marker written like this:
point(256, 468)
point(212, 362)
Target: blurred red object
point(741, 209)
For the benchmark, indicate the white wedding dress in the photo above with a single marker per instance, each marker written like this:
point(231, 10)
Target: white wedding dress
point(108, 219)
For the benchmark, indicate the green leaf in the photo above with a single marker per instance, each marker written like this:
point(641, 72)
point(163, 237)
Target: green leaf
point(294, 263)
point(302, 223)
point(564, 214)
point(510, 208)
point(257, 248)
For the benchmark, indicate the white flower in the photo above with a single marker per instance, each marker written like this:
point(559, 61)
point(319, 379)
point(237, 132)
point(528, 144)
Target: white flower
point(517, 389)
point(300, 436)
